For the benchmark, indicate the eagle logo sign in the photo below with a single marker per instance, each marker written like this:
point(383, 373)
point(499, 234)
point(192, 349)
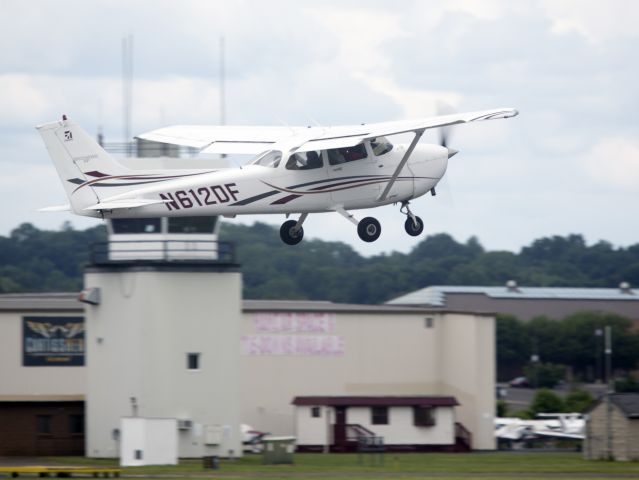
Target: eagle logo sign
point(47, 329)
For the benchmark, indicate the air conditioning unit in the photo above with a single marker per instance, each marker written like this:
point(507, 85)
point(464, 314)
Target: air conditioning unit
point(185, 424)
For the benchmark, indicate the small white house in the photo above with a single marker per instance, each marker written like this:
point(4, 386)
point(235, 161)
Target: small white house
point(401, 423)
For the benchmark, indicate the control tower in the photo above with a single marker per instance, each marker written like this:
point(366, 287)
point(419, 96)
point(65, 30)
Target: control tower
point(163, 335)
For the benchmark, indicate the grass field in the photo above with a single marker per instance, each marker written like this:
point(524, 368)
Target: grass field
point(500, 465)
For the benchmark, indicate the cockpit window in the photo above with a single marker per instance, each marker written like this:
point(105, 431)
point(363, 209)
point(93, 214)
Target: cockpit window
point(305, 161)
point(349, 154)
point(270, 159)
point(380, 146)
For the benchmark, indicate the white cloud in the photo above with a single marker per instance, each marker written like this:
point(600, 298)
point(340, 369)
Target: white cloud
point(614, 163)
point(598, 21)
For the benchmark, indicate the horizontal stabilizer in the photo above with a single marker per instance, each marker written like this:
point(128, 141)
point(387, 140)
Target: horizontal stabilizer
point(56, 208)
point(124, 203)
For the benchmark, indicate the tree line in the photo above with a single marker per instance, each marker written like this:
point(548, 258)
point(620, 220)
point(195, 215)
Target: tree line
point(34, 260)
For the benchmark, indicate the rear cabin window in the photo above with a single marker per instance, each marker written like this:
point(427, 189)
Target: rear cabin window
point(270, 159)
point(380, 146)
point(337, 156)
point(305, 161)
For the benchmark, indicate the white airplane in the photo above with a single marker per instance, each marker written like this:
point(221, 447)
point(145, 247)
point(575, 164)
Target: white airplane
point(297, 170)
point(550, 425)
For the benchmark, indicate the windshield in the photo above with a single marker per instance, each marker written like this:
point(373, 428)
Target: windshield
point(271, 159)
point(380, 146)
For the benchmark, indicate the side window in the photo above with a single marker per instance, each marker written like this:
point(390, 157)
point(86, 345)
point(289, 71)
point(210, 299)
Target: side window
point(305, 161)
point(349, 154)
point(379, 415)
point(423, 416)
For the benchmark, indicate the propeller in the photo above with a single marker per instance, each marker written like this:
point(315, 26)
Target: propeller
point(444, 108)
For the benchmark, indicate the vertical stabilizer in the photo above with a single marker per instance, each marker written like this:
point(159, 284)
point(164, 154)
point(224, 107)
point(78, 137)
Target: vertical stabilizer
point(80, 162)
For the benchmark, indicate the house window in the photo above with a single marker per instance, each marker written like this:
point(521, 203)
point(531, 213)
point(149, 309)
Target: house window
point(428, 322)
point(379, 415)
point(423, 416)
point(193, 361)
point(76, 424)
point(43, 424)
point(316, 412)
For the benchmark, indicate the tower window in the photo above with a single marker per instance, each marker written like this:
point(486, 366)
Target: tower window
point(193, 361)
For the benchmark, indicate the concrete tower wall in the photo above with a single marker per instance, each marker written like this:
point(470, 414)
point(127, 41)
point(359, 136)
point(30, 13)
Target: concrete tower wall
point(138, 339)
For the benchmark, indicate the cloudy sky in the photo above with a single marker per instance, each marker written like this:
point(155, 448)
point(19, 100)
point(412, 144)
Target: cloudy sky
point(568, 164)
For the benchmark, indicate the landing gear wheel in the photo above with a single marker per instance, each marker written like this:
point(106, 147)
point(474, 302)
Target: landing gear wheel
point(369, 229)
point(289, 234)
point(412, 229)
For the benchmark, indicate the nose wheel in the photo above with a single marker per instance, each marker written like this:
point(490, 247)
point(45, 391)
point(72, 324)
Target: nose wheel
point(413, 224)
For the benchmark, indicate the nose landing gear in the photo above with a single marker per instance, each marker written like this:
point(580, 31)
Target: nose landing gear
point(413, 224)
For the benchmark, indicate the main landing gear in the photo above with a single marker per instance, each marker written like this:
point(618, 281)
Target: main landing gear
point(292, 232)
point(368, 228)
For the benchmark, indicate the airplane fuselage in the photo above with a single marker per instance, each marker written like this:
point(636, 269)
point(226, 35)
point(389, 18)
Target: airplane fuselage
point(259, 189)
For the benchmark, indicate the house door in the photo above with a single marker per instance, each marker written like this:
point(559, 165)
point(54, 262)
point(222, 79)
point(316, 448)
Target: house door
point(339, 428)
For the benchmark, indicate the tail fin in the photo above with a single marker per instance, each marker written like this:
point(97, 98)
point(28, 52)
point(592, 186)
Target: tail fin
point(80, 162)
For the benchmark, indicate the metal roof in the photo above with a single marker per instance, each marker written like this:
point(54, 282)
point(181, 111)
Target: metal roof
point(68, 301)
point(628, 403)
point(378, 401)
point(435, 296)
point(40, 301)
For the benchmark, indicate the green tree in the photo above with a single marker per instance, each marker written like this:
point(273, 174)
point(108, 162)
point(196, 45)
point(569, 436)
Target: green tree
point(546, 401)
point(544, 375)
point(578, 400)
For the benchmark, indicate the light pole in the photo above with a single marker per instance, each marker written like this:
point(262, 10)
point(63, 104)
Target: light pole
point(598, 335)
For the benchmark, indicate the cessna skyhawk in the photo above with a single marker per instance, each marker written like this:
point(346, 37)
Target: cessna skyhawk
point(296, 170)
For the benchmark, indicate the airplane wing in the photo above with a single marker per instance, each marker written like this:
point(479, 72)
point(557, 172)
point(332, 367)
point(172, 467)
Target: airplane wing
point(551, 434)
point(253, 139)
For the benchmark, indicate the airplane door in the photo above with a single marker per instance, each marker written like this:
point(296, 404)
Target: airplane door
point(356, 176)
point(301, 175)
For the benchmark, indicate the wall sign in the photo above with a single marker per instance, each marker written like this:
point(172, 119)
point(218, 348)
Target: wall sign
point(52, 341)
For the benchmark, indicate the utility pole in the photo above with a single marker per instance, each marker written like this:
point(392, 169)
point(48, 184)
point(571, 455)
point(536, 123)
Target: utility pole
point(127, 89)
point(611, 389)
point(222, 87)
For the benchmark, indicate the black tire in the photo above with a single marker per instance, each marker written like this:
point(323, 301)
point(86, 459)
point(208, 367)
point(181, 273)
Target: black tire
point(369, 229)
point(410, 227)
point(288, 236)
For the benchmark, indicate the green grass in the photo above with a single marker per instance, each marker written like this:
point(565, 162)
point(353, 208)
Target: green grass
point(483, 465)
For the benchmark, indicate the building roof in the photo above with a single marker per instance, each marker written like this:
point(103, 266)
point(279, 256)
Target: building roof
point(628, 403)
point(435, 296)
point(40, 301)
point(377, 401)
point(68, 301)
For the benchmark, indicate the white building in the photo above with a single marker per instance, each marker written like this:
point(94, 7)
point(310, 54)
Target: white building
point(136, 361)
point(399, 423)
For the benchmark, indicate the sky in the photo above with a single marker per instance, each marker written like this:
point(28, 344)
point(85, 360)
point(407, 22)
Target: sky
point(569, 163)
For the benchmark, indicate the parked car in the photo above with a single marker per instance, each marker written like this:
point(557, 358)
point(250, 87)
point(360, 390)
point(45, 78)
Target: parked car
point(519, 382)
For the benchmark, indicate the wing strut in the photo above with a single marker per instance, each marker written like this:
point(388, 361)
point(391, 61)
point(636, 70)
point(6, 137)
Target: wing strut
point(418, 135)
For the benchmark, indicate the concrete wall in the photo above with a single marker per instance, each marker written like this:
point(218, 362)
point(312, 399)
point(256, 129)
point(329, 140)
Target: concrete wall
point(466, 359)
point(625, 435)
point(138, 339)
